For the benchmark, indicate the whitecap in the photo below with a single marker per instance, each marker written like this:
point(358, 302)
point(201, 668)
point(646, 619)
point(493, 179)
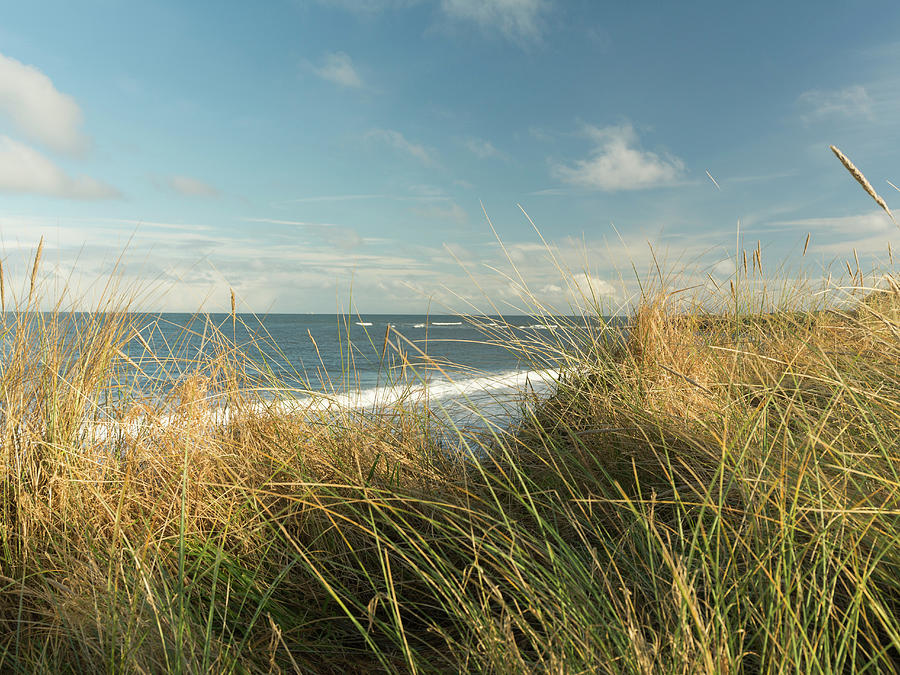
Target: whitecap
point(481, 394)
point(481, 388)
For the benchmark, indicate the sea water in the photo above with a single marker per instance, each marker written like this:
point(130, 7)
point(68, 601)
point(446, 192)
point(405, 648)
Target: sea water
point(467, 369)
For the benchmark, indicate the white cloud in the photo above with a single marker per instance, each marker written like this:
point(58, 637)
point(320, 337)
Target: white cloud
point(578, 290)
point(593, 287)
point(872, 245)
point(24, 170)
point(191, 187)
point(869, 233)
point(482, 148)
point(338, 68)
point(617, 163)
point(516, 19)
point(871, 222)
point(724, 268)
point(849, 102)
point(398, 141)
point(38, 110)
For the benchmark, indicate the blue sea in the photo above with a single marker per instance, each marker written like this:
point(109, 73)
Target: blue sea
point(467, 368)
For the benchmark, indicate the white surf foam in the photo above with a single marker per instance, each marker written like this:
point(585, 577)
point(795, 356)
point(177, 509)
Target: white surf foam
point(480, 389)
point(437, 323)
point(488, 394)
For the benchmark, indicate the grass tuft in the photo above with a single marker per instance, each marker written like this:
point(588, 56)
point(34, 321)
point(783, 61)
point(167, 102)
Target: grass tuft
point(712, 487)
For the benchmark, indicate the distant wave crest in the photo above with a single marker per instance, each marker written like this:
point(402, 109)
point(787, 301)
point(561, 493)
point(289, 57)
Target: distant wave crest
point(482, 393)
point(482, 388)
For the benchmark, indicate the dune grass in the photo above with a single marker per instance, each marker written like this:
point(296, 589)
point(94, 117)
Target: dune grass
point(716, 489)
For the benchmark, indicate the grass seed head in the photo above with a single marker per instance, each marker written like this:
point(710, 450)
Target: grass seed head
point(34, 268)
point(861, 179)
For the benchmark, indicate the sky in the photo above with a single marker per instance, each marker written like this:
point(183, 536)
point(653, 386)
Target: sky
point(438, 155)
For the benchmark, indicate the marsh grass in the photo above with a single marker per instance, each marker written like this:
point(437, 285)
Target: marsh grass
point(713, 489)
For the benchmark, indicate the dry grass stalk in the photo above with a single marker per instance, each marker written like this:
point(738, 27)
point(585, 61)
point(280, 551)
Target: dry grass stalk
point(233, 313)
point(2, 290)
point(34, 268)
point(806, 243)
point(861, 179)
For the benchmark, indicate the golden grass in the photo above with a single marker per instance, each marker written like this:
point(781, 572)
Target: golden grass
point(861, 179)
point(713, 489)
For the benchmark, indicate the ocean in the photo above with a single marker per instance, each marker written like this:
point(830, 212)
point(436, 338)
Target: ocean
point(468, 372)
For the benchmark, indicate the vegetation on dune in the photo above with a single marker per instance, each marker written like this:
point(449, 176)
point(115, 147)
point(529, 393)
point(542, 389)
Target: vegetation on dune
point(706, 492)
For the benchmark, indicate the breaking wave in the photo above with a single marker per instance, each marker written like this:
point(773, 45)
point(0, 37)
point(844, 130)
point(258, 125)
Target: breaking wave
point(483, 395)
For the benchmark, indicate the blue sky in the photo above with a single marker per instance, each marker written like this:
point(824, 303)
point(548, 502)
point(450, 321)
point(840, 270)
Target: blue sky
point(312, 153)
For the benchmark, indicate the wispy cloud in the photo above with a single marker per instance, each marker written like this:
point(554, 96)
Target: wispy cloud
point(452, 212)
point(550, 192)
point(191, 187)
point(24, 170)
point(369, 6)
point(518, 20)
point(338, 67)
point(775, 175)
point(332, 198)
point(618, 163)
point(848, 102)
point(483, 149)
point(869, 233)
point(399, 142)
point(579, 288)
point(280, 221)
point(38, 110)
point(428, 196)
point(139, 225)
point(336, 235)
point(863, 223)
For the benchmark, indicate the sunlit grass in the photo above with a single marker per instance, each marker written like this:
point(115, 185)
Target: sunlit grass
point(714, 489)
